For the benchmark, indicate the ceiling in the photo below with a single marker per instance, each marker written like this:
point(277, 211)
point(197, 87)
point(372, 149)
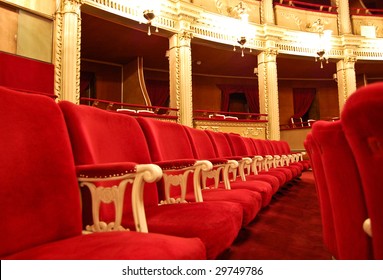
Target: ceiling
point(113, 42)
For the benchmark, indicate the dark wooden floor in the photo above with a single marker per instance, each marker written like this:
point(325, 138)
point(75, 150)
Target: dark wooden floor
point(289, 228)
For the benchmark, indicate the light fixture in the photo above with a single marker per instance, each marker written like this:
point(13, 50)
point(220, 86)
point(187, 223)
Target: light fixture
point(150, 11)
point(335, 77)
point(241, 13)
point(324, 41)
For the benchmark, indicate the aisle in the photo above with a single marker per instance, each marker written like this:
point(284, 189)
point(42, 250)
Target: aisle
point(290, 228)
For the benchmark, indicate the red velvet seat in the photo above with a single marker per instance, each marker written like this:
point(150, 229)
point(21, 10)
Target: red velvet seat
point(99, 136)
point(284, 162)
point(238, 148)
point(290, 160)
point(362, 119)
point(223, 149)
point(169, 141)
point(328, 228)
point(40, 198)
point(345, 191)
point(268, 166)
point(298, 157)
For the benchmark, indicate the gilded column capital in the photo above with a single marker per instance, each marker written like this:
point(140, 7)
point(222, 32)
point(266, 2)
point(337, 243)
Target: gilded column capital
point(271, 52)
point(185, 36)
point(71, 6)
point(350, 59)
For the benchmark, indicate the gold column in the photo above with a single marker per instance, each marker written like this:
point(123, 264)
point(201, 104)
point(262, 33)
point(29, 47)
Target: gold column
point(180, 70)
point(344, 20)
point(67, 50)
point(267, 12)
point(268, 90)
point(346, 78)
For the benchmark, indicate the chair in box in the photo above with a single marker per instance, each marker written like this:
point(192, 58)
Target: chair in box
point(345, 190)
point(362, 119)
point(40, 198)
point(169, 141)
point(99, 136)
point(328, 229)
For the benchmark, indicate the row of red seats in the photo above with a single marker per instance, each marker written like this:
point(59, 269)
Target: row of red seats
point(135, 173)
point(347, 161)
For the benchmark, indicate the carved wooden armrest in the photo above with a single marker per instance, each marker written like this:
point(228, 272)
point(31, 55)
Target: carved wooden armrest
point(276, 160)
point(257, 161)
point(178, 176)
point(219, 165)
point(231, 165)
point(243, 163)
point(285, 161)
point(268, 162)
point(92, 176)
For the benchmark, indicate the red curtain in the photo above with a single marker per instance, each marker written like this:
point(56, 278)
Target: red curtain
point(302, 98)
point(251, 93)
point(158, 92)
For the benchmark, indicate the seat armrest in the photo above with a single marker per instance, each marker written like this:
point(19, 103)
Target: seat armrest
point(92, 177)
point(176, 173)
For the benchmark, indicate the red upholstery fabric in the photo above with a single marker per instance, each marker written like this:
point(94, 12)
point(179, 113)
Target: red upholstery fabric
point(117, 246)
point(345, 190)
point(99, 136)
point(262, 152)
point(273, 179)
point(25, 74)
point(362, 120)
point(266, 149)
point(199, 137)
point(39, 196)
point(169, 141)
point(286, 150)
point(296, 169)
point(238, 147)
point(328, 228)
point(223, 149)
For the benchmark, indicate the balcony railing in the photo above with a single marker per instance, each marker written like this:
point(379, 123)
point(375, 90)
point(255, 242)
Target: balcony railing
point(131, 109)
point(366, 12)
point(307, 6)
point(229, 116)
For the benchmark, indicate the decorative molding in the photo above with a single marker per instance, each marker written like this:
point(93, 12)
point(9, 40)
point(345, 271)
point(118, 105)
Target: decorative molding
point(253, 132)
point(72, 6)
point(70, 10)
point(58, 54)
point(205, 25)
point(291, 16)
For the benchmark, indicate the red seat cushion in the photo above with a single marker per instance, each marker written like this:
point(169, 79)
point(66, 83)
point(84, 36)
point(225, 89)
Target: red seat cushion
point(117, 246)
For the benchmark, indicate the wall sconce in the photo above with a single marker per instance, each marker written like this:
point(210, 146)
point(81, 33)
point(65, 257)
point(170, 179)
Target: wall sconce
point(256, 71)
point(335, 77)
point(324, 41)
point(150, 11)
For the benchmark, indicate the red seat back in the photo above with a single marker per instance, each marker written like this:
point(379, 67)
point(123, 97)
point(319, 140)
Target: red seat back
point(100, 136)
point(39, 194)
point(328, 229)
point(345, 190)
point(362, 118)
